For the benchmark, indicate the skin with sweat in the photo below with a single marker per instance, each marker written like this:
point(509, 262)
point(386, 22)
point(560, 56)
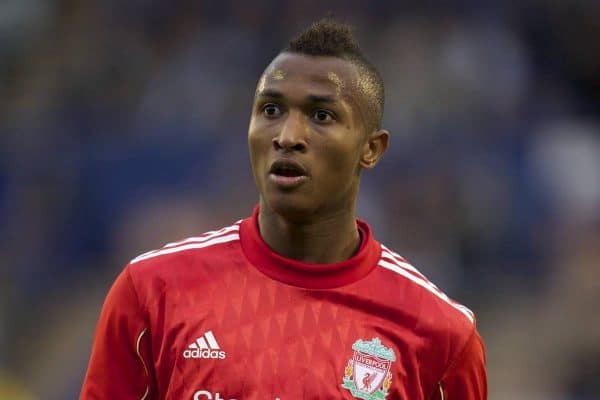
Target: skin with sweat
point(309, 111)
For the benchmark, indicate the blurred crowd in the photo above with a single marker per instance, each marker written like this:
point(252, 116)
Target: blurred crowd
point(123, 126)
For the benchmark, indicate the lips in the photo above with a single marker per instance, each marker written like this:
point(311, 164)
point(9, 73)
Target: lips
point(287, 174)
point(288, 168)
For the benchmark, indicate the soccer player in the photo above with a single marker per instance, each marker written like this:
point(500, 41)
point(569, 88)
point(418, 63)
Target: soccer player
point(299, 300)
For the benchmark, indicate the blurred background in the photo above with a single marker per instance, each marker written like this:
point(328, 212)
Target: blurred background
point(123, 126)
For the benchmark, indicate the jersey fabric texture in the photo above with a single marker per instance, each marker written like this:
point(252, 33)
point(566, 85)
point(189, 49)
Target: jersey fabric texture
point(221, 316)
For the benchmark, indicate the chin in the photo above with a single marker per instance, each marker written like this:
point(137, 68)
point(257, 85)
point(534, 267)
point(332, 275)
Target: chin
point(288, 207)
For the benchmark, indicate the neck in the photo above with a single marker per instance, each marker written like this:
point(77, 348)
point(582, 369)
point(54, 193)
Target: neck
point(322, 239)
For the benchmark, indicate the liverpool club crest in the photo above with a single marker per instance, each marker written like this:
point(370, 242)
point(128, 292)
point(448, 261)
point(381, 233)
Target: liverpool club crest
point(367, 374)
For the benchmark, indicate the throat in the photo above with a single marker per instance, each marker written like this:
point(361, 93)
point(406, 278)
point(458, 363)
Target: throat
point(315, 242)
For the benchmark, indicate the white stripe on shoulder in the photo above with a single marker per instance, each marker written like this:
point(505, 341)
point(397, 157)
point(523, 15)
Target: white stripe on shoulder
point(197, 243)
point(424, 283)
point(204, 237)
point(397, 260)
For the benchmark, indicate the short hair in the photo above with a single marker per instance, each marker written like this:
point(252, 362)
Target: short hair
point(328, 37)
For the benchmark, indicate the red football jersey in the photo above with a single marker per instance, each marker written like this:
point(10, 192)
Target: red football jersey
point(221, 316)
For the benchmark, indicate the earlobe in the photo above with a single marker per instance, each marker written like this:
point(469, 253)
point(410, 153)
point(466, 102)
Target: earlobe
point(374, 147)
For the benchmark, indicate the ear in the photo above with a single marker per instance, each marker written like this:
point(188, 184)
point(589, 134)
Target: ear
point(374, 147)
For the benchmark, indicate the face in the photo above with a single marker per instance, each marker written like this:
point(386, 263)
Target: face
point(307, 139)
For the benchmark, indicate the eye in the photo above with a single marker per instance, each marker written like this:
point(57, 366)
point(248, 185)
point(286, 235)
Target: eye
point(324, 116)
point(271, 110)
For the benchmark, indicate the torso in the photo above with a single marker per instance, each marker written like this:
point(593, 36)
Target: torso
point(221, 328)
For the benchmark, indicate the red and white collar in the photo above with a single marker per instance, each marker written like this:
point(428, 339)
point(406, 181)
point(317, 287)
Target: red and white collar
point(309, 275)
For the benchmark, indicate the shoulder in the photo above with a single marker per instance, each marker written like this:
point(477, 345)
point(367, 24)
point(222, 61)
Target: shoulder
point(437, 314)
point(173, 257)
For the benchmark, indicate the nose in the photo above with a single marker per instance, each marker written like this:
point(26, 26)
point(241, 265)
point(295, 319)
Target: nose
point(292, 136)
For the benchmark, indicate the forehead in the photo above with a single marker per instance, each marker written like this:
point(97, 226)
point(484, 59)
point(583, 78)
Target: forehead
point(323, 74)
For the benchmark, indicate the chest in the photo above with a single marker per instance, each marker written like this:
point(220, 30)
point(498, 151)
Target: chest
point(269, 341)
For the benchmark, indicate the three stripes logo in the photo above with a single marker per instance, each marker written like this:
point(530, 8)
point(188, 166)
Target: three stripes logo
point(206, 346)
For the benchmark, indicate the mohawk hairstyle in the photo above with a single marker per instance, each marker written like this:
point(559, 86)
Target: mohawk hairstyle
point(328, 37)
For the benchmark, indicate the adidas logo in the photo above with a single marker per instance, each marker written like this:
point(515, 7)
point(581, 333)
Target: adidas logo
point(205, 346)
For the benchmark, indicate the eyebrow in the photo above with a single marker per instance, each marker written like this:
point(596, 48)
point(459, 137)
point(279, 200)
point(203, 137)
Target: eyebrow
point(313, 98)
point(271, 93)
point(321, 99)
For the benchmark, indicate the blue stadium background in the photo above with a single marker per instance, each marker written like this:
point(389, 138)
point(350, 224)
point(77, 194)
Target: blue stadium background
point(123, 126)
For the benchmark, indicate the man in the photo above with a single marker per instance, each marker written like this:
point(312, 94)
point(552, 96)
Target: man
point(298, 301)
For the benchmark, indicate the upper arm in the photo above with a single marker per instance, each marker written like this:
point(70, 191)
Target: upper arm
point(465, 378)
point(119, 362)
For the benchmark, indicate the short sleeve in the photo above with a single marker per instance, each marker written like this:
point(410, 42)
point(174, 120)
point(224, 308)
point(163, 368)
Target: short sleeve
point(465, 379)
point(118, 366)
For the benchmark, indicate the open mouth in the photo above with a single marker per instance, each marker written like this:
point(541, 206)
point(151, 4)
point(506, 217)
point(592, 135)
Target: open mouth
point(287, 173)
point(287, 168)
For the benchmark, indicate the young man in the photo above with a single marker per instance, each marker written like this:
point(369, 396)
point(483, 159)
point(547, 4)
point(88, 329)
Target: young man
point(298, 301)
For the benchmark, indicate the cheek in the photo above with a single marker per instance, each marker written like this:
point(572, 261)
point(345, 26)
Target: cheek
point(257, 140)
point(345, 149)
point(256, 161)
point(255, 147)
point(341, 159)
